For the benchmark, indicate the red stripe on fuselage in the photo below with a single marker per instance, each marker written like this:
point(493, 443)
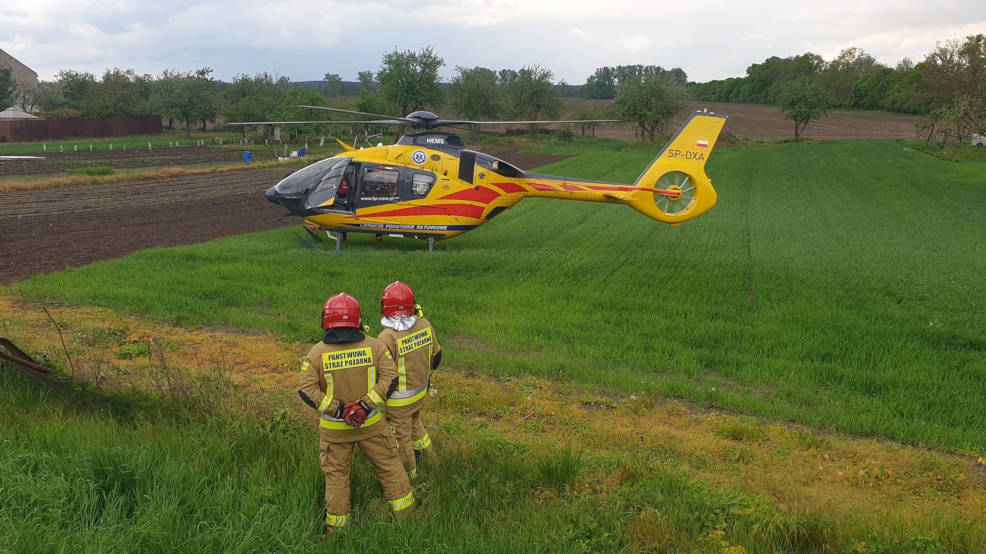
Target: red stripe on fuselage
point(509, 188)
point(480, 194)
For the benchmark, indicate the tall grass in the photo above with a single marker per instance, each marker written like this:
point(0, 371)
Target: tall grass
point(119, 475)
point(836, 284)
point(127, 473)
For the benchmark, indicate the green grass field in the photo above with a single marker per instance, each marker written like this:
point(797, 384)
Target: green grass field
point(836, 284)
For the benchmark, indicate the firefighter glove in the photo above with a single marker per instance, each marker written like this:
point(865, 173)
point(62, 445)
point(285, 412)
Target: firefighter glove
point(355, 413)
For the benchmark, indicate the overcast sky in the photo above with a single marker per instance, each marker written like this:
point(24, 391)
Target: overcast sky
point(304, 40)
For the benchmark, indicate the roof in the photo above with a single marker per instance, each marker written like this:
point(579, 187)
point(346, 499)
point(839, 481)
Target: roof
point(14, 113)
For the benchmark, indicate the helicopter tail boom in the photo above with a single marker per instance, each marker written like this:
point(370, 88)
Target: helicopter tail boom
point(675, 187)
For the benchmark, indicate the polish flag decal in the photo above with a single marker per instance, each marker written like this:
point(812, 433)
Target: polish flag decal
point(702, 144)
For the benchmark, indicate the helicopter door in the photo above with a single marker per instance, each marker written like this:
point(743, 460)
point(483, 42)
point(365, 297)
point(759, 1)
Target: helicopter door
point(378, 185)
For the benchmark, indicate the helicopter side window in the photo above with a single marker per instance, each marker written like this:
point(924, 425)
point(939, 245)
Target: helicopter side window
point(380, 185)
point(505, 169)
point(421, 184)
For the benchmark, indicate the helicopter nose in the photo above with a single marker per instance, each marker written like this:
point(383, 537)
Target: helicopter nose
point(289, 201)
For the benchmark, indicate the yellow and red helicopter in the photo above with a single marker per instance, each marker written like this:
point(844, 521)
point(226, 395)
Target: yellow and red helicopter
point(429, 185)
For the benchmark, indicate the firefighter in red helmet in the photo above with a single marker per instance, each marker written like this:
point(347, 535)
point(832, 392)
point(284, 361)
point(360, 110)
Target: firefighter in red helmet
point(411, 340)
point(345, 378)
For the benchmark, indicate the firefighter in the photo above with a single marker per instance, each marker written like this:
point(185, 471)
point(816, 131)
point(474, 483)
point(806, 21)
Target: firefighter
point(345, 378)
point(411, 340)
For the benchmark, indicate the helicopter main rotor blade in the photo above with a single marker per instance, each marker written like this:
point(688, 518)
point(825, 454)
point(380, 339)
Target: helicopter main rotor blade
point(339, 110)
point(328, 122)
point(544, 122)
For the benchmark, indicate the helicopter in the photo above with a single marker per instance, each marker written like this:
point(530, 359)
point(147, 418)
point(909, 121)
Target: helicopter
point(428, 185)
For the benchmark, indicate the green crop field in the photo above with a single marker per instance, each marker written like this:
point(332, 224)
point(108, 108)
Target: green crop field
point(835, 284)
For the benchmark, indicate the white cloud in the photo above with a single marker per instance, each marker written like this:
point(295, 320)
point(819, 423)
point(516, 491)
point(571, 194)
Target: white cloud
point(304, 40)
point(634, 43)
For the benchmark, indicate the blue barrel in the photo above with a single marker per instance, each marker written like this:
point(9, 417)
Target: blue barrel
point(247, 156)
point(302, 152)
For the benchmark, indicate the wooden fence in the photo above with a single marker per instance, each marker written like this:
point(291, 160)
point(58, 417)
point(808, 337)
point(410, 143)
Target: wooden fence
point(24, 130)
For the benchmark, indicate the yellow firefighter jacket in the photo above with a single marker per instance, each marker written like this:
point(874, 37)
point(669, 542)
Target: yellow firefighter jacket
point(333, 375)
point(414, 350)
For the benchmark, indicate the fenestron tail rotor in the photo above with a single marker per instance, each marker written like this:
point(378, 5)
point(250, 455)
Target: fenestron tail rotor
point(675, 181)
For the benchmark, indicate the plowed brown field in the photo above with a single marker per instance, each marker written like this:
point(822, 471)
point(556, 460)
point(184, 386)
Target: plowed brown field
point(764, 122)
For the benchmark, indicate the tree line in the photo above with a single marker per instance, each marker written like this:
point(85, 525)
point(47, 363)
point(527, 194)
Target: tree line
point(948, 87)
point(406, 81)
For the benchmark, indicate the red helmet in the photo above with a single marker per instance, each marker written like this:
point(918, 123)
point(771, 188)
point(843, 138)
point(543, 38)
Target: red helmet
point(397, 299)
point(341, 310)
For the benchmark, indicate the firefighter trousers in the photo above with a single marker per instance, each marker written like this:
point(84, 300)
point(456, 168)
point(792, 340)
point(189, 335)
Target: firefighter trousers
point(412, 437)
point(381, 450)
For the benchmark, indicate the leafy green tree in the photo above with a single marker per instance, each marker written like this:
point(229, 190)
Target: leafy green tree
point(289, 110)
point(651, 101)
point(365, 80)
point(254, 98)
point(79, 90)
point(842, 72)
point(333, 85)
point(506, 77)
point(473, 94)
point(409, 80)
point(601, 84)
point(120, 93)
point(164, 95)
point(587, 113)
point(910, 92)
point(188, 97)
point(7, 88)
point(870, 91)
point(763, 81)
point(75, 85)
point(956, 73)
point(802, 101)
point(532, 95)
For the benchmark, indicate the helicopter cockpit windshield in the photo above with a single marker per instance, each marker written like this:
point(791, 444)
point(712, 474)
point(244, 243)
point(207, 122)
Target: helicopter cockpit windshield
point(333, 189)
point(312, 186)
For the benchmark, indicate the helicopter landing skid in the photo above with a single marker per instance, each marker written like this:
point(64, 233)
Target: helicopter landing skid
point(341, 236)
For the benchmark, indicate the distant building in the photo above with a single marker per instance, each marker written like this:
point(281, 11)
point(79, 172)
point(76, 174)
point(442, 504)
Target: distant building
point(13, 113)
point(24, 76)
